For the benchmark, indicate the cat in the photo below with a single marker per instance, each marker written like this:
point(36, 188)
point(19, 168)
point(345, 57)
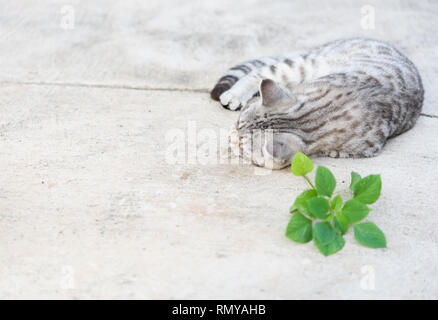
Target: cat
point(342, 99)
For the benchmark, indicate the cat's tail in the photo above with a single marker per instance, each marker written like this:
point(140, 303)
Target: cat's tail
point(238, 72)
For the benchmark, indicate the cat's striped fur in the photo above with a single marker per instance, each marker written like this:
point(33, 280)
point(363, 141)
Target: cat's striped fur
point(343, 99)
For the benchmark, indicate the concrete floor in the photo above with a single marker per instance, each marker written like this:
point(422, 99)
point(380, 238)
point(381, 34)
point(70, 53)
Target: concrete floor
point(92, 207)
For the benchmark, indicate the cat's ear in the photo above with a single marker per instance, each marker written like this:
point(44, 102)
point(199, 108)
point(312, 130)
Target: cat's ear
point(272, 94)
point(280, 148)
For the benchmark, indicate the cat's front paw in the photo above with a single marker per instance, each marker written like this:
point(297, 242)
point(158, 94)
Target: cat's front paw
point(231, 101)
point(240, 94)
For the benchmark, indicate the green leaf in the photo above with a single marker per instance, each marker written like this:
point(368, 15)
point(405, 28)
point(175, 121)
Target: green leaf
point(299, 228)
point(300, 203)
point(301, 164)
point(369, 235)
point(331, 247)
point(354, 211)
point(318, 206)
point(340, 224)
point(323, 233)
point(367, 190)
point(336, 203)
point(325, 181)
point(355, 177)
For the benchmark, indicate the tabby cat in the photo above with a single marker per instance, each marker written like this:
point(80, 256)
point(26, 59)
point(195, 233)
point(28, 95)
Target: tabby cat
point(342, 99)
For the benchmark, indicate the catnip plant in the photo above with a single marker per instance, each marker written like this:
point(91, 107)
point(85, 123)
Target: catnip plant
point(319, 214)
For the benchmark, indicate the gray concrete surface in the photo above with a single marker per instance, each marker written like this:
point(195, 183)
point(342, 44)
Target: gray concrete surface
point(90, 206)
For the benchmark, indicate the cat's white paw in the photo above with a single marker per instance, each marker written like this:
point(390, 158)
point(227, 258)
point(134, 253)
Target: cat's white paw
point(240, 94)
point(231, 101)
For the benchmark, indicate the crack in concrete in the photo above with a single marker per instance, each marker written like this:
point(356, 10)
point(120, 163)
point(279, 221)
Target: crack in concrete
point(428, 115)
point(104, 86)
point(126, 87)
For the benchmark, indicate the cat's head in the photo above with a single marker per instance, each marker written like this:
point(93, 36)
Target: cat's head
point(263, 132)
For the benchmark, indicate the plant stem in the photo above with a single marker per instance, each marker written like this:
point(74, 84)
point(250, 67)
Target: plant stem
point(329, 217)
point(307, 179)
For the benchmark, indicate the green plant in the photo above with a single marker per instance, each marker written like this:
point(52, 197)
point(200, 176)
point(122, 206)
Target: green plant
point(320, 215)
